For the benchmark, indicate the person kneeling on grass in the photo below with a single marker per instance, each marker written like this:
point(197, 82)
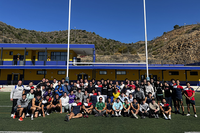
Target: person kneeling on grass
point(100, 108)
point(87, 107)
point(36, 106)
point(135, 108)
point(21, 107)
point(165, 109)
point(57, 104)
point(46, 105)
point(144, 109)
point(109, 110)
point(117, 107)
point(126, 108)
point(75, 111)
point(154, 109)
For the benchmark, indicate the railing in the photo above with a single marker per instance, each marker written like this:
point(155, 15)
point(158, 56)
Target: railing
point(87, 63)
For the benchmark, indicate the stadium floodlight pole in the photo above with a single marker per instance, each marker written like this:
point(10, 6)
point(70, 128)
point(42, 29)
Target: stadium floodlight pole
point(67, 74)
point(145, 27)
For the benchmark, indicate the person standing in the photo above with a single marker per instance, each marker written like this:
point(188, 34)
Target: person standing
point(189, 93)
point(16, 93)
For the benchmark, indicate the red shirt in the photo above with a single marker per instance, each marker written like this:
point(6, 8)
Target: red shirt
point(189, 92)
point(132, 86)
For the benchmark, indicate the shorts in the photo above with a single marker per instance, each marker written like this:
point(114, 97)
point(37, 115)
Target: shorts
point(179, 99)
point(133, 110)
point(190, 102)
point(75, 113)
point(159, 98)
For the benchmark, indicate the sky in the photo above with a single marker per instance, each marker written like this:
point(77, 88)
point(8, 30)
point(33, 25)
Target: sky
point(121, 20)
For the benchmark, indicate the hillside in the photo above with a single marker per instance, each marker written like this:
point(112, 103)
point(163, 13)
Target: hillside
point(103, 46)
point(181, 45)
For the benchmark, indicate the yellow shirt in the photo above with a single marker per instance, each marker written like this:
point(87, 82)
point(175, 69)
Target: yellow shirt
point(115, 95)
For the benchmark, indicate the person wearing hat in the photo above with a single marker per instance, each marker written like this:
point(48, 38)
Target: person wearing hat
point(154, 109)
point(21, 107)
point(76, 109)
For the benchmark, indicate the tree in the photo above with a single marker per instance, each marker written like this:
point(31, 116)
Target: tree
point(176, 27)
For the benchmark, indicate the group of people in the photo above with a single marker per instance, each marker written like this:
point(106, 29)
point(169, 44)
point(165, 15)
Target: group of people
point(101, 98)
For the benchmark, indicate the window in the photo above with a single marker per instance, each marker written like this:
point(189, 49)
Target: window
point(61, 72)
point(11, 53)
point(59, 56)
point(41, 56)
point(174, 73)
point(193, 73)
point(26, 53)
point(41, 72)
point(102, 72)
point(121, 72)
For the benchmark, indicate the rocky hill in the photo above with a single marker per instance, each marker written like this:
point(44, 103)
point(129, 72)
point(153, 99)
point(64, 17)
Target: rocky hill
point(181, 45)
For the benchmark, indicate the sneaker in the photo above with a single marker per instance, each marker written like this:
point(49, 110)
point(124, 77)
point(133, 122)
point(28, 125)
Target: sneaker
point(39, 115)
point(66, 118)
point(188, 115)
point(107, 115)
point(27, 115)
point(169, 117)
point(14, 116)
point(32, 118)
point(136, 117)
point(195, 115)
point(112, 116)
point(103, 115)
point(20, 119)
point(156, 116)
point(96, 115)
point(47, 113)
point(11, 115)
point(87, 116)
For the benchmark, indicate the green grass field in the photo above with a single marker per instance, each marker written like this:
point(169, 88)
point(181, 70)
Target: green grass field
point(55, 122)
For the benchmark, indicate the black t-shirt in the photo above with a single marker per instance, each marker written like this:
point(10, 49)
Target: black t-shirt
point(167, 91)
point(110, 91)
point(159, 89)
point(104, 89)
point(90, 88)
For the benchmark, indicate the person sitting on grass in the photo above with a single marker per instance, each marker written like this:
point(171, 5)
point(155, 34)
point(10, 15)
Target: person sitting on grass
point(65, 102)
point(126, 108)
point(165, 109)
point(154, 109)
point(57, 104)
point(21, 107)
point(135, 108)
point(117, 107)
point(144, 109)
point(36, 106)
point(87, 107)
point(109, 110)
point(189, 93)
point(75, 111)
point(100, 108)
point(46, 105)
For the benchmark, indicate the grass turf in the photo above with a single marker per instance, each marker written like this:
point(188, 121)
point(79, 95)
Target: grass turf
point(55, 122)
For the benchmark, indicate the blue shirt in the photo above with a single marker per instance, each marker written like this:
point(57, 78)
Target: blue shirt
point(117, 105)
point(59, 89)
